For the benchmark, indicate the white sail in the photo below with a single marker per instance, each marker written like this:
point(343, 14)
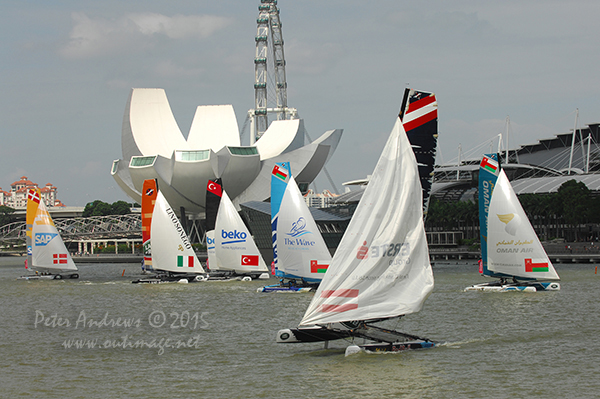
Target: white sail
point(302, 252)
point(381, 268)
point(171, 248)
point(210, 251)
point(48, 249)
point(234, 246)
point(513, 247)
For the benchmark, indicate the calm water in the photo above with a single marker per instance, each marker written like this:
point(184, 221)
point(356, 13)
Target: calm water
point(496, 345)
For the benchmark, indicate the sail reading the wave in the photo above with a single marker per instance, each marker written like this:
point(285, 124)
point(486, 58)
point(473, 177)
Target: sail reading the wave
point(234, 246)
point(48, 248)
point(381, 268)
point(301, 249)
point(513, 248)
point(171, 248)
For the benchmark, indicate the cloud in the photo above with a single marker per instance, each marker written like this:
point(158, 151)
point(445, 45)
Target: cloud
point(91, 37)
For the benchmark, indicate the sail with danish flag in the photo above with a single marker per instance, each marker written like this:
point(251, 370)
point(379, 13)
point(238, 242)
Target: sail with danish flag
point(48, 249)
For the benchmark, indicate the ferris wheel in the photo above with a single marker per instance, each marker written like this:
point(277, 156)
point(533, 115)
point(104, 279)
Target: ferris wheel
point(269, 72)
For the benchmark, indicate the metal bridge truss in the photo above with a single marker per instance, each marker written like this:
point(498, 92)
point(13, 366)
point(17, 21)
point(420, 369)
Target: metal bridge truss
point(81, 229)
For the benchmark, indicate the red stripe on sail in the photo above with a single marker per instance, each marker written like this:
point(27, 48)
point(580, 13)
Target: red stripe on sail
point(420, 120)
point(342, 293)
point(190, 261)
point(420, 104)
point(338, 308)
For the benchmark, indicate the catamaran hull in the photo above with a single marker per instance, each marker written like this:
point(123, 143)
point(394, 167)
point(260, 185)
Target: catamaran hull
point(310, 334)
point(389, 347)
point(519, 287)
point(50, 276)
point(284, 288)
point(171, 278)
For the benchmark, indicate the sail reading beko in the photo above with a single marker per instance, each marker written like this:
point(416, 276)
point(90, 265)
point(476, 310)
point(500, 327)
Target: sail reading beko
point(510, 249)
point(234, 246)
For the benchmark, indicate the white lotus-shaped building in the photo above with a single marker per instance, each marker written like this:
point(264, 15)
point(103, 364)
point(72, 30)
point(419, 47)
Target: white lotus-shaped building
point(154, 147)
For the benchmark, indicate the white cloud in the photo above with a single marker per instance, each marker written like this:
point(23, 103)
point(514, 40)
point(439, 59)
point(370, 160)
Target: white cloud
point(92, 37)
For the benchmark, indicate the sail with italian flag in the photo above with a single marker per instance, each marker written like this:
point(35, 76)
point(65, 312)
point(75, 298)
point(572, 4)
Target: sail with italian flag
point(171, 248)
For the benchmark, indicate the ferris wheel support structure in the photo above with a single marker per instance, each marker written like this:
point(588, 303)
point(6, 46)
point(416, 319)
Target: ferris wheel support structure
point(269, 25)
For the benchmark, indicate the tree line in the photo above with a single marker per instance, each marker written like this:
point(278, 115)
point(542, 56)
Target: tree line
point(572, 213)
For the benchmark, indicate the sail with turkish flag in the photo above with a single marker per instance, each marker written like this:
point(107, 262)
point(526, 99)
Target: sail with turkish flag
point(235, 248)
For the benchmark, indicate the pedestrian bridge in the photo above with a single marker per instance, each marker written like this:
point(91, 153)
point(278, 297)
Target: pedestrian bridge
point(95, 229)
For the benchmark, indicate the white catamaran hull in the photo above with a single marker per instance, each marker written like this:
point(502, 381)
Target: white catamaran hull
point(50, 276)
point(518, 287)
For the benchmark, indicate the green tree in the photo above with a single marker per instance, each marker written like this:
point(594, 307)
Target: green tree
point(101, 208)
point(120, 208)
point(6, 215)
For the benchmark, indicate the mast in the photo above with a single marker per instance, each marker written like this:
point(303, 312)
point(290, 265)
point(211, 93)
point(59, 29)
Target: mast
point(573, 141)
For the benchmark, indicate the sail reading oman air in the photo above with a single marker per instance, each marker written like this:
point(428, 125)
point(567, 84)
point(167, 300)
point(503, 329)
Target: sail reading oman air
point(510, 248)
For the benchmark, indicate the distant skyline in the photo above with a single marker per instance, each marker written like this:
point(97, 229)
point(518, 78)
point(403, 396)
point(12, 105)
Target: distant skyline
point(68, 67)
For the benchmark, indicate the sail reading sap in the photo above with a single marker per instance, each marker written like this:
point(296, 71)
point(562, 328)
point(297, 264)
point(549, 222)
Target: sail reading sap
point(48, 248)
point(171, 248)
point(301, 249)
point(234, 246)
point(381, 268)
point(513, 248)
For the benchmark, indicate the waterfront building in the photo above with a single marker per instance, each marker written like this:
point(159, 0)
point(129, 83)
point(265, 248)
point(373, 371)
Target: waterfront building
point(17, 196)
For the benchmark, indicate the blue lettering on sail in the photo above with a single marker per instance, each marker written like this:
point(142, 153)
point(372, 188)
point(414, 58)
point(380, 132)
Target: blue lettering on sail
point(233, 236)
point(42, 239)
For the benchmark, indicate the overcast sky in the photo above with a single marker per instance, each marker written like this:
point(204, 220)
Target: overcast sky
point(67, 68)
